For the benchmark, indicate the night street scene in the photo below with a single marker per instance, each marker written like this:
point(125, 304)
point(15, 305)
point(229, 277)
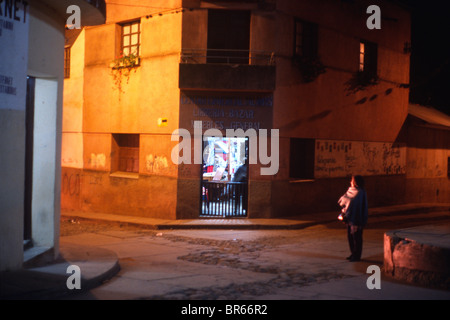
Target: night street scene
point(227, 158)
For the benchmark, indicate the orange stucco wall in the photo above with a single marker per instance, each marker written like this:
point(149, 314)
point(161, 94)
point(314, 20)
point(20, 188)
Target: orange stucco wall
point(322, 109)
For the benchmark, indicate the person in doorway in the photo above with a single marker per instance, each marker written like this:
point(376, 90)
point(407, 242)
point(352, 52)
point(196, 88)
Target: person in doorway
point(354, 214)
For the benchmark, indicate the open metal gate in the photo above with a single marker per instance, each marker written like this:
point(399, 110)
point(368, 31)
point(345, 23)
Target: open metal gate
point(224, 199)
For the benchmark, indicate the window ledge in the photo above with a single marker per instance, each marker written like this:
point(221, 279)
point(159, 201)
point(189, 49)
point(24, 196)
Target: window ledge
point(127, 67)
point(118, 64)
point(125, 175)
point(301, 180)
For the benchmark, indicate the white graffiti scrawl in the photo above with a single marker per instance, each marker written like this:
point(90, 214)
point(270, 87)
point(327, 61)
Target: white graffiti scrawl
point(343, 158)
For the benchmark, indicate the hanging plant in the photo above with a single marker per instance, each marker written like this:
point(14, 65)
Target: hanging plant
point(310, 67)
point(122, 67)
point(361, 81)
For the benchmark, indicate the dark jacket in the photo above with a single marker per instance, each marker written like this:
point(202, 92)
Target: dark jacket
point(357, 212)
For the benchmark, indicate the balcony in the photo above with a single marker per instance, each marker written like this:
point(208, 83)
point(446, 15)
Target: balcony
point(224, 69)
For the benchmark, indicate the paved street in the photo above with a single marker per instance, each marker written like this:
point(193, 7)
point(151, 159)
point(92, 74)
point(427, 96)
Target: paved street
point(241, 264)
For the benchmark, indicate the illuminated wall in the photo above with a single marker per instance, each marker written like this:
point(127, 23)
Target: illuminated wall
point(102, 103)
point(330, 108)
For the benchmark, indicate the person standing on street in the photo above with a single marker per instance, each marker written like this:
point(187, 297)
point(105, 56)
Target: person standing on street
point(355, 213)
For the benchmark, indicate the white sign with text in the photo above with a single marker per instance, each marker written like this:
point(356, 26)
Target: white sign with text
point(14, 25)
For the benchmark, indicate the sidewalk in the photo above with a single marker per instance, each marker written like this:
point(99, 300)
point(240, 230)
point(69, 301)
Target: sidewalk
point(296, 222)
point(99, 265)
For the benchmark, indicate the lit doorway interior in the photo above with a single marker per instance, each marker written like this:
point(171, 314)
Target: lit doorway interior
point(224, 187)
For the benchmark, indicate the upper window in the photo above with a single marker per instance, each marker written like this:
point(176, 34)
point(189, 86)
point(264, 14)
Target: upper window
point(228, 39)
point(368, 58)
point(305, 39)
point(67, 62)
point(131, 38)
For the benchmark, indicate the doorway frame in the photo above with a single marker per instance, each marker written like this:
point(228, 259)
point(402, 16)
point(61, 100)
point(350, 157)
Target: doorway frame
point(228, 195)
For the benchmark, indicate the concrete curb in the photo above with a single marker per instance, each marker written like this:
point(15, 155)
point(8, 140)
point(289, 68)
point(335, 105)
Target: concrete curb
point(419, 255)
point(50, 281)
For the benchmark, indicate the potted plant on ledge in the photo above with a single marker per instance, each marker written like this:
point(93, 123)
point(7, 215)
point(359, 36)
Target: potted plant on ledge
point(121, 68)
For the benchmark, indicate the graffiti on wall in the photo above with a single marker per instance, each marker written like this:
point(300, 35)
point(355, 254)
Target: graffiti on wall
point(156, 164)
point(343, 158)
point(71, 184)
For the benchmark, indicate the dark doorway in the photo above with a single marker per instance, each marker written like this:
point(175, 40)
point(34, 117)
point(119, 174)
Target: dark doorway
point(228, 36)
point(224, 187)
point(29, 141)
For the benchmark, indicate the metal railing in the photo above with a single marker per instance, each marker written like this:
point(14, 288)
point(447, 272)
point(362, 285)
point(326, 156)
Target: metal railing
point(227, 56)
point(99, 4)
point(224, 199)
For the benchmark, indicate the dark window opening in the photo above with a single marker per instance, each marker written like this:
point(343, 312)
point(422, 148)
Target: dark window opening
point(228, 36)
point(301, 164)
point(306, 39)
point(125, 153)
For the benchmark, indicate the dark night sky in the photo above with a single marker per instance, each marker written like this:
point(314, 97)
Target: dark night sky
point(430, 57)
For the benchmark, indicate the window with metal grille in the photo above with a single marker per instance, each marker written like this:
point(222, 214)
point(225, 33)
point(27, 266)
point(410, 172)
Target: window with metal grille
point(67, 62)
point(125, 153)
point(131, 38)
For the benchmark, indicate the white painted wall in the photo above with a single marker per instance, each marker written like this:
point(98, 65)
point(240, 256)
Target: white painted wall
point(12, 177)
point(44, 155)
